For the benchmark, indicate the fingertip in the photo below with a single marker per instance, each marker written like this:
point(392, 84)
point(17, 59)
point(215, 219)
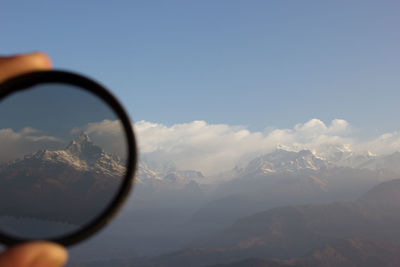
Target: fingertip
point(49, 255)
point(23, 63)
point(37, 60)
point(34, 254)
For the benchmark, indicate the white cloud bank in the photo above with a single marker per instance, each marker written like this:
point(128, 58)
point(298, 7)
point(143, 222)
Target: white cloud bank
point(28, 140)
point(210, 148)
point(213, 148)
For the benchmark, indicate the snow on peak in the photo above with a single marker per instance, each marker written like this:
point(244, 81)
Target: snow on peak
point(83, 148)
point(84, 155)
point(282, 160)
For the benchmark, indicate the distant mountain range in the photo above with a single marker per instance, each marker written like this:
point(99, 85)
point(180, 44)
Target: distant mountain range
point(51, 185)
point(290, 178)
point(281, 162)
point(282, 176)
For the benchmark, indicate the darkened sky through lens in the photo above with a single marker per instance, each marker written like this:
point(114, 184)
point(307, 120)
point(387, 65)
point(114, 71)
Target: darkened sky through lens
point(63, 151)
point(53, 108)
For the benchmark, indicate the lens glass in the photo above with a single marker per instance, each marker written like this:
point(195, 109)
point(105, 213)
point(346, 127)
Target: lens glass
point(63, 158)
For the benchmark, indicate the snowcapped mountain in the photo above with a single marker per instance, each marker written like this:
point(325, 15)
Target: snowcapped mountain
point(339, 156)
point(389, 162)
point(281, 161)
point(83, 154)
point(166, 176)
point(342, 155)
point(144, 173)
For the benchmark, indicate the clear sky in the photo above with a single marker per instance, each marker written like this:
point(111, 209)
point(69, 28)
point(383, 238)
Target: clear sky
point(252, 63)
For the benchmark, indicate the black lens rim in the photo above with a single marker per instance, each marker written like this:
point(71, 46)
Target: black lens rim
point(24, 82)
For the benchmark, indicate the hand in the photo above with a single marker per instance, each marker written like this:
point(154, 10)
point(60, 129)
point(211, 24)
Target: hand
point(38, 253)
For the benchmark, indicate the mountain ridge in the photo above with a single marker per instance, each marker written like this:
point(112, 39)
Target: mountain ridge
point(81, 175)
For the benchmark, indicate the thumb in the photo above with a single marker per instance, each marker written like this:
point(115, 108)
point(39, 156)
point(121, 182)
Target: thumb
point(34, 254)
point(19, 64)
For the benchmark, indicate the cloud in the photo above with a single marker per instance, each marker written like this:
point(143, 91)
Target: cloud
point(213, 148)
point(316, 127)
point(27, 140)
point(196, 145)
point(384, 144)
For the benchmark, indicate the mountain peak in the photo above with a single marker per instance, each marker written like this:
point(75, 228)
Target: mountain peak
point(83, 148)
point(82, 138)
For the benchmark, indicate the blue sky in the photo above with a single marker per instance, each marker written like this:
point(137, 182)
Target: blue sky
point(252, 63)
